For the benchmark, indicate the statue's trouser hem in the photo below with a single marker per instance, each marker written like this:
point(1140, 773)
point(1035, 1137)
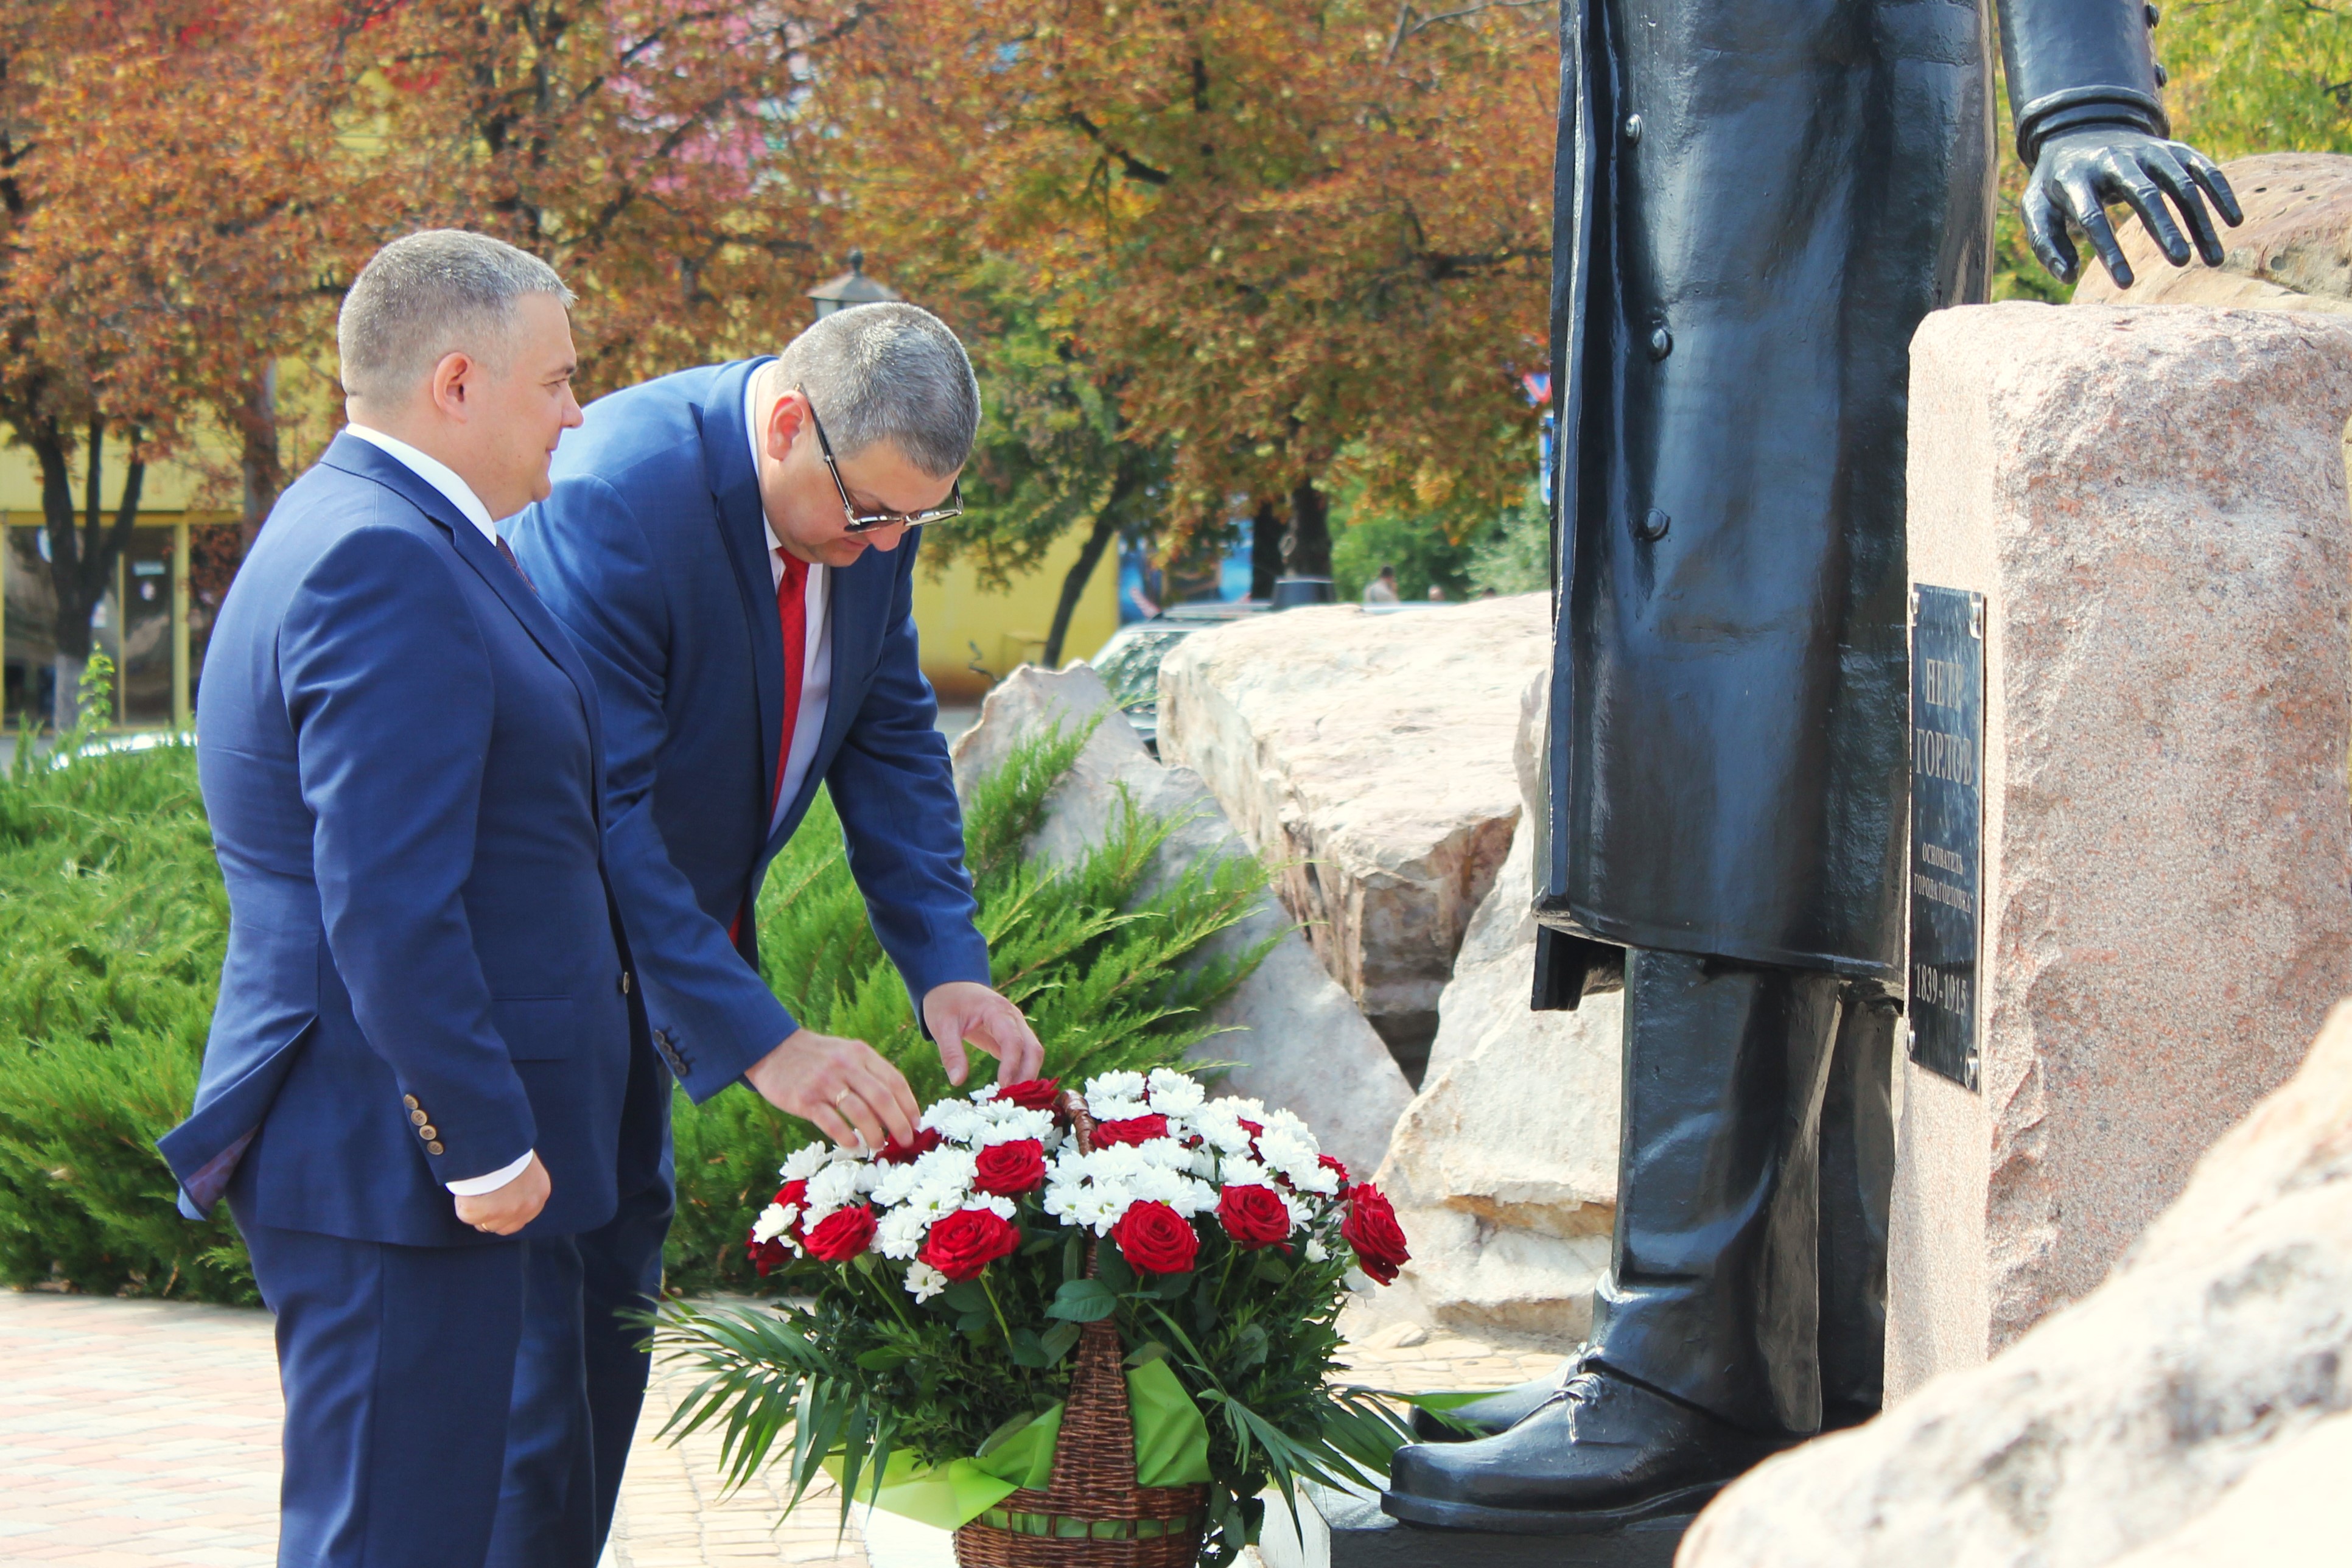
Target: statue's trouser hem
point(1749, 1269)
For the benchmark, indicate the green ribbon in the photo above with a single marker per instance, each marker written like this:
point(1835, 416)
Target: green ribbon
point(1171, 1449)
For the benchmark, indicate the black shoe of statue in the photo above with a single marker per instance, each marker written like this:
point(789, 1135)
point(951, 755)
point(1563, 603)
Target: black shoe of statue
point(1601, 1453)
point(1495, 1413)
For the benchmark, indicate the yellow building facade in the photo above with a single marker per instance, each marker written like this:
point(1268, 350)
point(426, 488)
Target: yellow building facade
point(153, 627)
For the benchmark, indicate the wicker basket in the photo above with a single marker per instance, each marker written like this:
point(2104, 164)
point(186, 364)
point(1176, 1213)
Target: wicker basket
point(1092, 1514)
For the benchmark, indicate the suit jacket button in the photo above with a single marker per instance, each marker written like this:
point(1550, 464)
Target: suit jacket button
point(409, 1100)
point(418, 1118)
point(428, 1134)
point(624, 983)
point(432, 1148)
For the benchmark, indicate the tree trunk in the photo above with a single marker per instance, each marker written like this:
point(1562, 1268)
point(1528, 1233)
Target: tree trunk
point(1309, 545)
point(81, 560)
point(265, 475)
point(1074, 585)
point(1265, 549)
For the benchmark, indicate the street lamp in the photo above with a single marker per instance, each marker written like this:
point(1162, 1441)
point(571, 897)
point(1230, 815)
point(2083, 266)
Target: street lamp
point(852, 288)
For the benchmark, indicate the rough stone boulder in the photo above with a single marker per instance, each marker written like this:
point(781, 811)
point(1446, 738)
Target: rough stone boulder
point(1504, 1169)
point(2192, 1410)
point(1368, 757)
point(1298, 1040)
point(2294, 252)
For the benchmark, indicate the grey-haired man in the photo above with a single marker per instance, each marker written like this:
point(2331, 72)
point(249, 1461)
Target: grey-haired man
point(733, 548)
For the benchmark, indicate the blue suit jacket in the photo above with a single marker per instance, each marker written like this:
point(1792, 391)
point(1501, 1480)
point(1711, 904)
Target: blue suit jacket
point(400, 755)
point(653, 550)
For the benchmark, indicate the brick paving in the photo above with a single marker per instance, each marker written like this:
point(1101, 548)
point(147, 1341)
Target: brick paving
point(145, 1435)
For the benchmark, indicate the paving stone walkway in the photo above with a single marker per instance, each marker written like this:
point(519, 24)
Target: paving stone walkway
point(145, 1435)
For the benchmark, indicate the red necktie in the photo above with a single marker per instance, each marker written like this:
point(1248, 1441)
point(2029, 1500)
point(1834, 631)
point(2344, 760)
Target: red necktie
point(792, 618)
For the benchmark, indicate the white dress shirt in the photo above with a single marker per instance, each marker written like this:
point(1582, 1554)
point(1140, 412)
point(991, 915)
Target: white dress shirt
point(460, 494)
point(816, 670)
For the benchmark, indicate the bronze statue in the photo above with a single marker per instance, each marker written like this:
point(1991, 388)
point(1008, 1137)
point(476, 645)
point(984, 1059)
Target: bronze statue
point(1757, 203)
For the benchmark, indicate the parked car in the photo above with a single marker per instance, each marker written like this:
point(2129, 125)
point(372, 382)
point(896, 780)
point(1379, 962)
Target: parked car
point(1129, 662)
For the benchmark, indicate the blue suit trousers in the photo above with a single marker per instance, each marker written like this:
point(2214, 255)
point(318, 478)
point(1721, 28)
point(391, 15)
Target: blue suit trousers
point(579, 1384)
point(397, 1363)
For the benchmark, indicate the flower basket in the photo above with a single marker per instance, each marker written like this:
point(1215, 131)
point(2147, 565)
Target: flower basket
point(1094, 1515)
point(1078, 1330)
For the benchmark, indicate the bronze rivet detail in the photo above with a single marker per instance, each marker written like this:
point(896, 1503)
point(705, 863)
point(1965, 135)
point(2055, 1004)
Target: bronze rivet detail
point(1662, 343)
point(1652, 526)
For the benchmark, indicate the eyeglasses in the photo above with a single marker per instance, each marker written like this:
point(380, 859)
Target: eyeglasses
point(867, 521)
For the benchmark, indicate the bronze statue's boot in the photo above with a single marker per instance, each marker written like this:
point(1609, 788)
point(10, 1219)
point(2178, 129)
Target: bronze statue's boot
point(1601, 1453)
point(1498, 1412)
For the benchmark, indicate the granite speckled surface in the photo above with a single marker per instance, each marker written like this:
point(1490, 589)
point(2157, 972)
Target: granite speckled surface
point(2153, 501)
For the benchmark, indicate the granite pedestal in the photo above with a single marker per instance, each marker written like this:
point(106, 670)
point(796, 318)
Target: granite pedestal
point(2151, 504)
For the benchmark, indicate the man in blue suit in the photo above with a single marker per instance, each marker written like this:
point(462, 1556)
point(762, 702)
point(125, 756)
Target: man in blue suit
point(421, 1063)
point(733, 548)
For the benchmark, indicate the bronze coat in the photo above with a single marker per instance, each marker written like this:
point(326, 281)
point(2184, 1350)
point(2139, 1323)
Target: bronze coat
point(1757, 203)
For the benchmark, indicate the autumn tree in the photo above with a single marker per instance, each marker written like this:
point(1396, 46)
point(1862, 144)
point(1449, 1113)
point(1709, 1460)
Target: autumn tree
point(159, 190)
point(654, 150)
point(1307, 242)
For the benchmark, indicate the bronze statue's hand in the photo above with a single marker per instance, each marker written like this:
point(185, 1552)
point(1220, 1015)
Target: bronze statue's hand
point(2081, 170)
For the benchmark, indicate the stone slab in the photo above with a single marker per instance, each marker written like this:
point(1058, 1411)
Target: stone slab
point(2194, 1411)
point(1367, 756)
point(2293, 252)
point(1348, 1529)
point(2152, 500)
point(1295, 1037)
point(1504, 1168)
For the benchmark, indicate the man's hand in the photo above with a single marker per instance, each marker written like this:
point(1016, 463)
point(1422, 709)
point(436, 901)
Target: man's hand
point(2078, 171)
point(845, 1087)
point(510, 1208)
point(964, 1010)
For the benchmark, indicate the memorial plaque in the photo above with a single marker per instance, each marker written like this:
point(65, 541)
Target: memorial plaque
point(1947, 827)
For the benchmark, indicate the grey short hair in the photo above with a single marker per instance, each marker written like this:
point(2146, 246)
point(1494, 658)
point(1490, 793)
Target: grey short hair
point(888, 372)
point(429, 294)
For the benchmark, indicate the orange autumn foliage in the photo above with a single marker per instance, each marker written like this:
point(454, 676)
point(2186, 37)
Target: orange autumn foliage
point(1307, 243)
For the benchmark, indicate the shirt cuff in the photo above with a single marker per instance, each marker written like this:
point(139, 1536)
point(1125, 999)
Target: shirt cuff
point(474, 1187)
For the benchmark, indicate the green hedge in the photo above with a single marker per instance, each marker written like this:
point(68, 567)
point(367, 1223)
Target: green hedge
point(113, 923)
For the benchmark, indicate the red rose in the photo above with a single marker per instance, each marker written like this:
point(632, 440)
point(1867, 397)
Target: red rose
point(1008, 1169)
point(1030, 1094)
point(1372, 1230)
point(1156, 1238)
point(1254, 1216)
point(773, 1253)
point(962, 1244)
point(896, 1153)
point(1334, 1165)
point(841, 1235)
point(1134, 1129)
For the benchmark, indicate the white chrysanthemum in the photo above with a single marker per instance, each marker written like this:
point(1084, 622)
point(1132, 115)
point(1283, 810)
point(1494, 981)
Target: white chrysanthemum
point(1203, 1163)
point(1009, 1123)
point(1288, 1151)
point(1174, 1093)
point(1315, 1251)
point(945, 1172)
point(1000, 1208)
point(807, 1161)
point(836, 1187)
point(983, 1094)
point(893, 1184)
point(1221, 1127)
point(1322, 1180)
point(900, 1233)
point(958, 1120)
point(774, 1220)
point(923, 1281)
point(1116, 1097)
